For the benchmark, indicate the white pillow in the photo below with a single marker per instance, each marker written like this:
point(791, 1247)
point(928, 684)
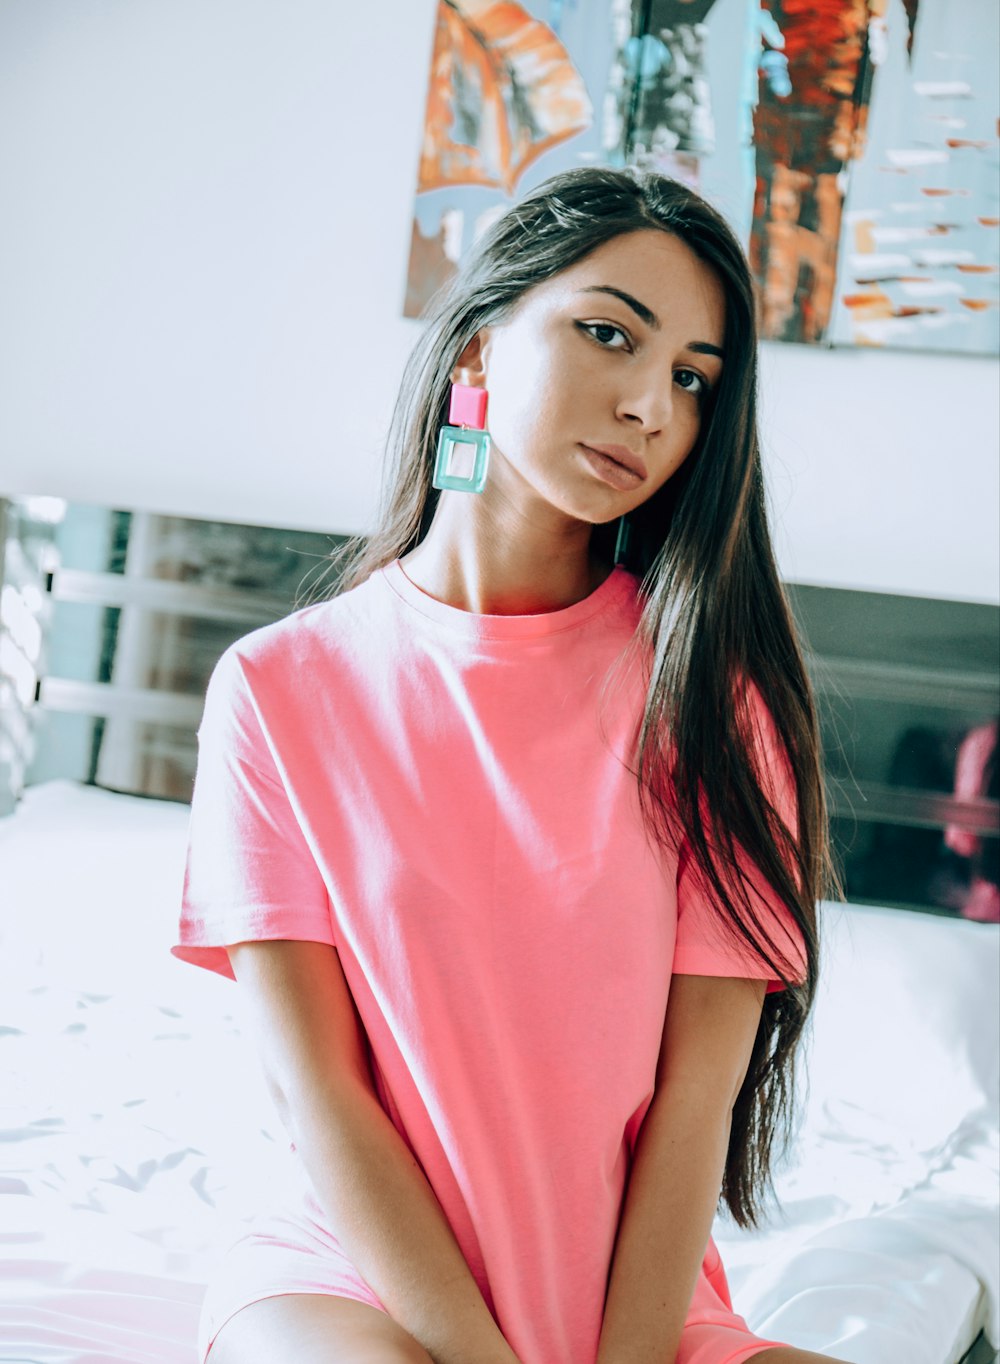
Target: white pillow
point(905, 1035)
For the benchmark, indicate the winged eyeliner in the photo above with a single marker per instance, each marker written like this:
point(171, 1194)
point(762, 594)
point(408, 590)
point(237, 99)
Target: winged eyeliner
point(648, 316)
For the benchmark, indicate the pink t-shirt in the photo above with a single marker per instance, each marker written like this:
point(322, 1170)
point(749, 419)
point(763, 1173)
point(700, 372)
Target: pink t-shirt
point(443, 797)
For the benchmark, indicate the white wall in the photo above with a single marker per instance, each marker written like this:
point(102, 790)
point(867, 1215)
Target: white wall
point(884, 469)
point(203, 245)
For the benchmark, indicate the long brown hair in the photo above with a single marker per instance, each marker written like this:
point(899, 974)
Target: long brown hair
point(716, 627)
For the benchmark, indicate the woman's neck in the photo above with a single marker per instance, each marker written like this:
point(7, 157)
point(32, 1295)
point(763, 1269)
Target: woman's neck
point(493, 559)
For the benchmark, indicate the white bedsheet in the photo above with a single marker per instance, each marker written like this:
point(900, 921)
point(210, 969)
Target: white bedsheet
point(138, 1135)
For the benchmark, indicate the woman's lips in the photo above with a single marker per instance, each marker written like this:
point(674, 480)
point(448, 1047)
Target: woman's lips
point(609, 464)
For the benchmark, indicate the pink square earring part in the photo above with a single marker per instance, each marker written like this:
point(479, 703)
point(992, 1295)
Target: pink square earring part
point(463, 449)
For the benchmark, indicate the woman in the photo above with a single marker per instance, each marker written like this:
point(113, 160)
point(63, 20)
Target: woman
point(549, 755)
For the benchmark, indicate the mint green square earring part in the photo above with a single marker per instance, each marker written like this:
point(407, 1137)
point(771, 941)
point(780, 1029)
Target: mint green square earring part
point(463, 449)
point(621, 544)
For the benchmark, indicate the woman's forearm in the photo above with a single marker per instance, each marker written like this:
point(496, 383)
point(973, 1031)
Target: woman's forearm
point(390, 1224)
point(670, 1202)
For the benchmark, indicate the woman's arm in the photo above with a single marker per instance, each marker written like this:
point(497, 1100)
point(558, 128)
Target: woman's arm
point(676, 1176)
point(379, 1202)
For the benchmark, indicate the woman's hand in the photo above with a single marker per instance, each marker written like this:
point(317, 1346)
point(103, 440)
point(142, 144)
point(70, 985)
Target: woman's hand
point(676, 1175)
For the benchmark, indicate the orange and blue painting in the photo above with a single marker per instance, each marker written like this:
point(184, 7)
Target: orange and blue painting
point(853, 144)
point(507, 105)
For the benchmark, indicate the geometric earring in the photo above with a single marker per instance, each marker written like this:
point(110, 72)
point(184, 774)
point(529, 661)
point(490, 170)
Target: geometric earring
point(463, 448)
point(621, 543)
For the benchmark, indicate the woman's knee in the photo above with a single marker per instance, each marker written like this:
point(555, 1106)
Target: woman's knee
point(789, 1354)
point(314, 1328)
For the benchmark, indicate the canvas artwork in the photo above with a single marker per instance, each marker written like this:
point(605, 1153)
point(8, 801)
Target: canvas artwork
point(853, 144)
point(509, 102)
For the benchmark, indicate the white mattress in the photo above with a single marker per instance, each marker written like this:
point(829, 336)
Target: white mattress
point(138, 1134)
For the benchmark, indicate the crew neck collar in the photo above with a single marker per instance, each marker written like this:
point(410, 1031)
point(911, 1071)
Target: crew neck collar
point(617, 587)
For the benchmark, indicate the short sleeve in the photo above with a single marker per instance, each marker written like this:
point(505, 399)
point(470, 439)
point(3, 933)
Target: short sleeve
point(249, 872)
point(704, 946)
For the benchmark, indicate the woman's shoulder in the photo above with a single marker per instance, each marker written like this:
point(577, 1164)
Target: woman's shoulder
point(307, 637)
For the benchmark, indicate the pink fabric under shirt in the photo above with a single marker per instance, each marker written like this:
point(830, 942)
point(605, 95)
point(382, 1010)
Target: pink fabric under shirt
point(441, 796)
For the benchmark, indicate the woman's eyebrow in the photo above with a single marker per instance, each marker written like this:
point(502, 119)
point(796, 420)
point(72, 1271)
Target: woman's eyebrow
point(641, 311)
point(648, 316)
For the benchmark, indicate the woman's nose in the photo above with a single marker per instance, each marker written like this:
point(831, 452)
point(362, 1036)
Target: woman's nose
point(649, 406)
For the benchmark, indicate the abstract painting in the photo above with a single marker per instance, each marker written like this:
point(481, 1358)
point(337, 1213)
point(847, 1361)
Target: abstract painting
point(918, 263)
point(853, 144)
point(509, 85)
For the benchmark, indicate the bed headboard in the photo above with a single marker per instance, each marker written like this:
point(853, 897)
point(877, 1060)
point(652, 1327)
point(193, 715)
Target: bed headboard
point(110, 623)
point(111, 620)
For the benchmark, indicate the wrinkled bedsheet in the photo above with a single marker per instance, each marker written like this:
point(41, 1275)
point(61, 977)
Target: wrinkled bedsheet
point(138, 1136)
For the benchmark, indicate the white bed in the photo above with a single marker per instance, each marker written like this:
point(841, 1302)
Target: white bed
point(138, 1136)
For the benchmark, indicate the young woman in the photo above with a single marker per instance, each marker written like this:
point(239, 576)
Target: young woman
point(514, 845)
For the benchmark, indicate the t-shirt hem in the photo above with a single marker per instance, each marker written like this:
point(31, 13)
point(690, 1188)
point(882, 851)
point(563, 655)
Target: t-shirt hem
point(204, 943)
point(697, 963)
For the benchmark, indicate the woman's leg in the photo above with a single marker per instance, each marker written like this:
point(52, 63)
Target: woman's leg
point(788, 1354)
point(313, 1328)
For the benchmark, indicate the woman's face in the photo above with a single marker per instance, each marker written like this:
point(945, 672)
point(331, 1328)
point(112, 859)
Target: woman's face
point(598, 380)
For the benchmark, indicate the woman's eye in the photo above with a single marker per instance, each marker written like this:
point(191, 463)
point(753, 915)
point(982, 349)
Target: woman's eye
point(694, 383)
point(604, 333)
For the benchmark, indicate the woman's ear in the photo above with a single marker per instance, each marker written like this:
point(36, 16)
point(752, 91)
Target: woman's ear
point(470, 368)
